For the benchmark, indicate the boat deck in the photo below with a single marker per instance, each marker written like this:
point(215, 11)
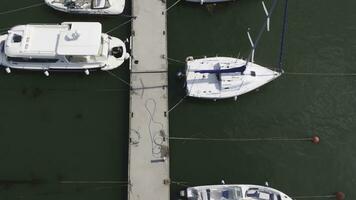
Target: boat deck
point(149, 146)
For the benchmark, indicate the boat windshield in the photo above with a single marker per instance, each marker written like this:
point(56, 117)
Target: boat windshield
point(100, 4)
point(262, 194)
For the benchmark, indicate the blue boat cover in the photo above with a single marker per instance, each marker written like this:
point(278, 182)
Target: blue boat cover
point(240, 69)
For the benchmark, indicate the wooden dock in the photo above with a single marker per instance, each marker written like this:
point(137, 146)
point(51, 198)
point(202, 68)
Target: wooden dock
point(149, 144)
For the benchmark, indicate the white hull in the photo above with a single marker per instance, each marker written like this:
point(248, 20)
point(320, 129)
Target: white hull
point(110, 63)
point(230, 85)
point(234, 192)
point(115, 9)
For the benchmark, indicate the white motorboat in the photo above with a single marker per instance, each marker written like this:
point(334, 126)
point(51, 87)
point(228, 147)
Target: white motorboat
point(99, 7)
point(224, 77)
point(67, 46)
point(233, 192)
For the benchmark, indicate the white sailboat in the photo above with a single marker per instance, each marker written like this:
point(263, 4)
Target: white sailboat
point(226, 77)
point(98, 7)
point(233, 192)
point(66, 47)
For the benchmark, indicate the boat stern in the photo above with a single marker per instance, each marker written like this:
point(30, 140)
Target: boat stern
point(117, 53)
point(117, 7)
point(3, 39)
point(56, 5)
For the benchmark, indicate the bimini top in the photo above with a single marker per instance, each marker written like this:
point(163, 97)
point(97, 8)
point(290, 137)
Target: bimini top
point(69, 38)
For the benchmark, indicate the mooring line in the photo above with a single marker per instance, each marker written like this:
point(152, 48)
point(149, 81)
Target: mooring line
point(177, 104)
point(175, 60)
point(309, 197)
point(319, 74)
point(93, 182)
point(337, 196)
point(117, 77)
point(120, 25)
point(20, 9)
point(129, 16)
point(284, 30)
point(240, 139)
point(180, 183)
point(174, 4)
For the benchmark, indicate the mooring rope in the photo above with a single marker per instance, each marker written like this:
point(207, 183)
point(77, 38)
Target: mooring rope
point(93, 182)
point(117, 77)
point(120, 25)
point(316, 196)
point(177, 104)
point(175, 60)
point(129, 16)
point(284, 29)
point(180, 183)
point(239, 139)
point(319, 74)
point(174, 4)
point(20, 9)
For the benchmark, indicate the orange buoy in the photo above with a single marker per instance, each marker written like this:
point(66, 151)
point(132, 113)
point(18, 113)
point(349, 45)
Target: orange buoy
point(315, 139)
point(340, 196)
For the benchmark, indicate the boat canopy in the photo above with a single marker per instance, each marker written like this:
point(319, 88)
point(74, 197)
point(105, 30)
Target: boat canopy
point(81, 39)
point(45, 41)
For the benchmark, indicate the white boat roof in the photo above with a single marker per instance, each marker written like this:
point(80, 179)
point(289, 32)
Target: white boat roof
point(69, 38)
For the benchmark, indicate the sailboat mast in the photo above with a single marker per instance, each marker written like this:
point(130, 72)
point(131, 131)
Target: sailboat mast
point(261, 31)
point(284, 28)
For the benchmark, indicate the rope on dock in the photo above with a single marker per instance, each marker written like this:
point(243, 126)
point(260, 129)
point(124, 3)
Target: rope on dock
point(120, 25)
point(20, 9)
point(284, 29)
point(319, 74)
point(175, 3)
point(157, 138)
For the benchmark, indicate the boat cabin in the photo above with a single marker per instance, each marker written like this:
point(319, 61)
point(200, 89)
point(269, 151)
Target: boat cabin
point(68, 42)
point(232, 192)
point(86, 4)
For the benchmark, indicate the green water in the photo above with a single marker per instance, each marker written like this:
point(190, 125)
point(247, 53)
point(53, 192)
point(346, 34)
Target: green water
point(73, 127)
